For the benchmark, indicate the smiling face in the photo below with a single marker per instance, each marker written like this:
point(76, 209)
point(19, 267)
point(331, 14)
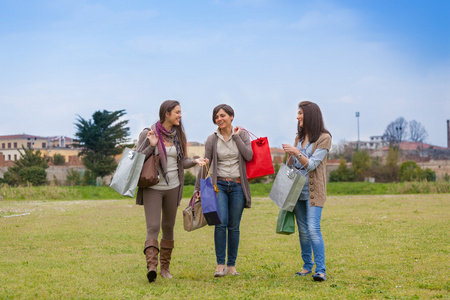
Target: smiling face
point(222, 119)
point(174, 116)
point(300, 117)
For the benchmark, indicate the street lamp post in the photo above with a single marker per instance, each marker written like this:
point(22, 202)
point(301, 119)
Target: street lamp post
point(357, 118)
point(398, 129)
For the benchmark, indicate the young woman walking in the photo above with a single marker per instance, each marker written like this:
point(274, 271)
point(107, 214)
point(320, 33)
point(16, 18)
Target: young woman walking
point(227, 149)
point(167, 139)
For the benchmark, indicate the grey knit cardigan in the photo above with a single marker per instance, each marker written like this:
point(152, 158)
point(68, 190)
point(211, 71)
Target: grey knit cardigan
point(245, 154)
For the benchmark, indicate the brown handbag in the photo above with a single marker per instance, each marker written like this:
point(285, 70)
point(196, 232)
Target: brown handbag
point(193, 217)
point(149, 174)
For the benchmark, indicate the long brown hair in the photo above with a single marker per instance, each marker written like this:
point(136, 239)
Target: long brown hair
point(168, 106)
point(313, 124)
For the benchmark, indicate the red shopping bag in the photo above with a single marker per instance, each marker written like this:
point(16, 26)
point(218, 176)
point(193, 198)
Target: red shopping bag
point(261, 164)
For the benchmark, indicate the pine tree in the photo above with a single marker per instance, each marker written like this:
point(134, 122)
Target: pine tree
point(100, 139)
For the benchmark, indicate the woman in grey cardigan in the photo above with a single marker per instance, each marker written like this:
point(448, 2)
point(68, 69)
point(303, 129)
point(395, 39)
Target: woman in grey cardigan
point(167, 139)
point(228, 148)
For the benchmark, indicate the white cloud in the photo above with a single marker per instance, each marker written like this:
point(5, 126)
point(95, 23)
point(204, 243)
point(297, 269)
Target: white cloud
point(329, 21)
point(262, 66)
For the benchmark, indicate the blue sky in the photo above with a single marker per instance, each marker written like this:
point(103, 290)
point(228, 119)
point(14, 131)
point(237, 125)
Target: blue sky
point(385, 59)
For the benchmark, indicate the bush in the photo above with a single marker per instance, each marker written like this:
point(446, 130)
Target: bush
point(428, 175)
point(58, 159)
point(361, 164)
point(89, 178)
point(73, 177)
point(409, 171)
point(34, 175)
point(189, 178)
point(419, 188)
point(11, 178)
point(342, 173)
point(384, 174)
point(29, 168)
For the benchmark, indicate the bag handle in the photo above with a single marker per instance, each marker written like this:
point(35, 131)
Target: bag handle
point(250, 134)
point(206, 172)
point(141, 145)
point(303, 166)
point(192, 201)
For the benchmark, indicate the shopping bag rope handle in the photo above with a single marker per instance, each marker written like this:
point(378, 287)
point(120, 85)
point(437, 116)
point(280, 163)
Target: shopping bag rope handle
point(251, 134)
point(207, 171)
point(289, 158)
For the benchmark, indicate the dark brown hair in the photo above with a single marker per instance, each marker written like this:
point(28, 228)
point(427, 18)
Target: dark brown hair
point(313, 125)
point(225, 107)
point(168, 106)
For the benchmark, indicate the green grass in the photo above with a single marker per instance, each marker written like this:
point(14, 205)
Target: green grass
point(377, 247)
point(257, 189)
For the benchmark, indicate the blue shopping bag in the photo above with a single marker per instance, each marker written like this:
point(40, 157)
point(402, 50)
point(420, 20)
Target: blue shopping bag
point(210, 205)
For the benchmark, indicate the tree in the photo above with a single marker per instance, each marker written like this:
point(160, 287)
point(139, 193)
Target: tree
point(446, 177)
point(276, 168)
point(409, 171)
point(428, 175)
point(30, 167)
point(58, 159)
point(417, 132)
point(387, 172)
point(73, 177)
point(396, 131)
point(342, 173)
point(342, 150)
point(189, 178)
point(100, 138)
point(361, 164)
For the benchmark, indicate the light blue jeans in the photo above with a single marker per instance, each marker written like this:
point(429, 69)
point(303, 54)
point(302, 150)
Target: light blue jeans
point(231, 201)
point(311, 240)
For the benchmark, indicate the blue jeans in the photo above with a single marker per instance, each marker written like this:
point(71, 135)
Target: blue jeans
point(231, 205)
point(311, 240)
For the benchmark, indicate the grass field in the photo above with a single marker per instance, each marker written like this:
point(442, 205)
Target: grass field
point(51, 192)
point(377, 247)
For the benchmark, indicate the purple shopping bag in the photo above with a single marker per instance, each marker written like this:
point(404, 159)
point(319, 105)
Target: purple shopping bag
point(210, 205)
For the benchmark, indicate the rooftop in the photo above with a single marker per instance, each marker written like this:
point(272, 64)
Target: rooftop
point(415, 146)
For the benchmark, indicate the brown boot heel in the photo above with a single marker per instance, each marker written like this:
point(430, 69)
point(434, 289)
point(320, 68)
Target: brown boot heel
point(151, 251)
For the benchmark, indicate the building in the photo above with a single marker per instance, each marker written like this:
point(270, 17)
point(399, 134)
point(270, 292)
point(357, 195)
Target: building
point(416, 151)
point(277, 155)
point(376, 142)
point(425, 155)
point(10, 145)
point(195, 150)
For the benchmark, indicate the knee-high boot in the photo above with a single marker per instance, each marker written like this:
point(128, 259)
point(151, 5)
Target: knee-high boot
point(165, 256)
point(151, 251)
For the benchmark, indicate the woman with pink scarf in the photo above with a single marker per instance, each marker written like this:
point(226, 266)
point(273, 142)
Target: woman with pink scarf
point(167, 139)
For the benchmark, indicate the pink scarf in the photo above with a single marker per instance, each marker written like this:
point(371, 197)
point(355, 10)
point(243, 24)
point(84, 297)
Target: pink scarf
point(170, 136)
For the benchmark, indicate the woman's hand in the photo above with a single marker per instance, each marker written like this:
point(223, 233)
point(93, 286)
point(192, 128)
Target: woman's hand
point(201, 161)
point(197, 195)
point(152, 138)
point(237, 130)
point(291, 150)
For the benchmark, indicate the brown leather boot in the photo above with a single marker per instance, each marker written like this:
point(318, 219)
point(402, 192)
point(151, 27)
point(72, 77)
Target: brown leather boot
point(151, 251)
point(165, 256)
